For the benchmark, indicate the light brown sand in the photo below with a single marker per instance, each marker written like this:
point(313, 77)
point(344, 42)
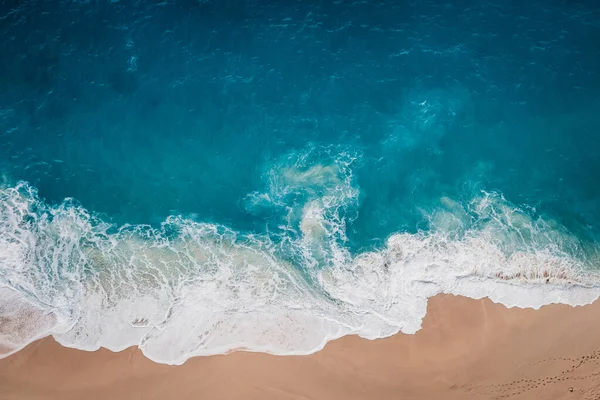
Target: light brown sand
point(467, 349)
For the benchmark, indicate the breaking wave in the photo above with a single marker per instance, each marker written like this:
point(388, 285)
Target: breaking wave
point(189, 288)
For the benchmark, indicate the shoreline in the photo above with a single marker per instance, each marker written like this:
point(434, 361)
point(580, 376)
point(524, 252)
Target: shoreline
point(473, 349)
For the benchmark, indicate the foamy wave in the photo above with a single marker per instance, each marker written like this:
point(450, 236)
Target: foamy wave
point(189, 288)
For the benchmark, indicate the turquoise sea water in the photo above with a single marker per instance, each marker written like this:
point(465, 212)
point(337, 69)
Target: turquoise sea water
point(272, 175)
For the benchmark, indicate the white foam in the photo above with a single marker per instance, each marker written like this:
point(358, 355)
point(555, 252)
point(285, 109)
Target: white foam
point(206, 289)
point(21, 322)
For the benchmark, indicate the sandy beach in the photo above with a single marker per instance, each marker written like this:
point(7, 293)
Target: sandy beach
point(467, 349)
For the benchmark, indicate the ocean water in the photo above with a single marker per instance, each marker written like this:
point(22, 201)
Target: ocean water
point(195, 177)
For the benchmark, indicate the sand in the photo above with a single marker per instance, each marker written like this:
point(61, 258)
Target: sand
point(467, 349)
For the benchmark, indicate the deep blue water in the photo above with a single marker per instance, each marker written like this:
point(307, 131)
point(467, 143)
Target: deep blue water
point(140, 110)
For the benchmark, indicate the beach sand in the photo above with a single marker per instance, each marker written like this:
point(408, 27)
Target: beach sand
point(467, 349)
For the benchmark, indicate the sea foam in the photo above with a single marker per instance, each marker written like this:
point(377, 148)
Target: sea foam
point(189, 288)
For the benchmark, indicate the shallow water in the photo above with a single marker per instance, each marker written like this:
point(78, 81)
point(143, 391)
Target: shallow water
point(272, 176)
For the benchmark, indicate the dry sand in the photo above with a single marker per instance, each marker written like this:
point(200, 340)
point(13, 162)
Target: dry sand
point(467, 349)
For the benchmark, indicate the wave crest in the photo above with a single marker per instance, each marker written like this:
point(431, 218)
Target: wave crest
point(190, 288)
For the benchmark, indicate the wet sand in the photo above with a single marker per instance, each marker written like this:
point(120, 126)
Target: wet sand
point(467, 349)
